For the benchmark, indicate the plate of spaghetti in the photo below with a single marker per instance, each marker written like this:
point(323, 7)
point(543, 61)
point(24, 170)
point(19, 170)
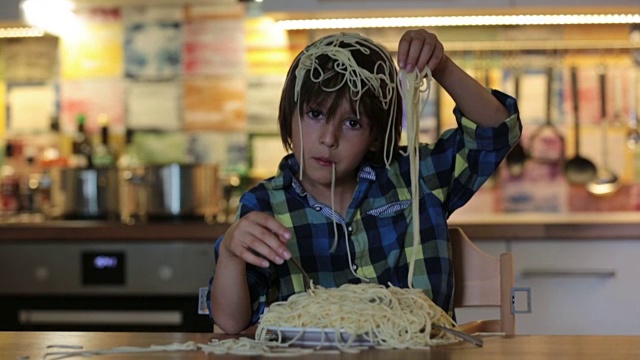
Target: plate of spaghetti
point(318, 337)
point(360, 315)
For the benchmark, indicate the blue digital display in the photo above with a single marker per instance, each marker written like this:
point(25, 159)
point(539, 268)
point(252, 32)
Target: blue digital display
point(103, 268)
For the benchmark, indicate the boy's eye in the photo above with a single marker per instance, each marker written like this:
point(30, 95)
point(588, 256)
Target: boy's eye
point(353, 123)
point(314, 114)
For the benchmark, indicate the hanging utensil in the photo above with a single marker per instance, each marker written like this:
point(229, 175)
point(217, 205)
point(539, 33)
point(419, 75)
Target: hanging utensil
point(578, 170)
point(633, 135)
point(606, 181)
point(546, 144)
point(517, 156)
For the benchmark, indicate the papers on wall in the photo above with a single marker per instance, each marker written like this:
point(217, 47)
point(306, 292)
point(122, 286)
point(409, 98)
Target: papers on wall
point(29, 60)
point(30, 108)
point(263, 101)
point(154, 105)
point(228, 150)
point(266, 153)
point(92, 98)
point(153, 42)
point(217, 103)
point(214, 47)
point(97, 51)
point(267, 47)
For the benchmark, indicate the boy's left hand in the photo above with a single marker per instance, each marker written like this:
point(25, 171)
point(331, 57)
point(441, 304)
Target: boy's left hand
point(419, 48)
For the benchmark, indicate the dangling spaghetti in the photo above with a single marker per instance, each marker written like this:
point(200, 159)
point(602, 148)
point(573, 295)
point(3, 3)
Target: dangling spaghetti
point(410, 85)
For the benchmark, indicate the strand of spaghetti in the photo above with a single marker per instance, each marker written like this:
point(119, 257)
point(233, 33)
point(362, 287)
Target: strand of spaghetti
point(410, 84)
point(333, 206)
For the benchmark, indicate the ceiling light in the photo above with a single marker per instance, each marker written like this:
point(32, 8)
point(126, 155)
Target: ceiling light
point(15, 32)
point(480, 20)
point(53, 16)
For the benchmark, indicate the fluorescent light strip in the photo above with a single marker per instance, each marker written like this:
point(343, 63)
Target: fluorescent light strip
point(481, 20)
point(16, 32)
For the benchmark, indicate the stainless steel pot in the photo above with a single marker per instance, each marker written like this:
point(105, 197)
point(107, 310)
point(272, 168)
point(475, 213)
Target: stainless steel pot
point(85, 193)
point(176, 190)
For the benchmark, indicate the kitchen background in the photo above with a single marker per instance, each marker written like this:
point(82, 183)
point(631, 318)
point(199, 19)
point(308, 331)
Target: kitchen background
point(200, 84)
point(159, 113)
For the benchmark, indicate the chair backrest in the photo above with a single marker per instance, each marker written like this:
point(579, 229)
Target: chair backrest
point(482, 280)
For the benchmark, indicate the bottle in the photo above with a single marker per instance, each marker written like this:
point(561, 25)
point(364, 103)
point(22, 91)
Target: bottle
point(131, 174)
point(81, 148)
point(9, 184)
point(29, 177)
point(102, 155)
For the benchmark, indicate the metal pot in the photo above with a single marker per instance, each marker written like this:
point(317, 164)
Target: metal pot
point(85, 193)
point(178, 191)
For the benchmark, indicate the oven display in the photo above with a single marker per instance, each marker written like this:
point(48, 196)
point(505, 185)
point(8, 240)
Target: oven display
point(103, 268)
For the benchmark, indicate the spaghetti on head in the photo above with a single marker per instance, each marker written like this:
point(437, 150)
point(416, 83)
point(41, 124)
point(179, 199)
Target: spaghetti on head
point(350, 67)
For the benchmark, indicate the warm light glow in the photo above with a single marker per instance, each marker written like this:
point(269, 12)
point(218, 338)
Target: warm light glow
point(480, 20)
point(53, 16)
point(14, 32)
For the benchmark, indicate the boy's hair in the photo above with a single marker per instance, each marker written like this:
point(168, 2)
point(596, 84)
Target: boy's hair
point(323, 74)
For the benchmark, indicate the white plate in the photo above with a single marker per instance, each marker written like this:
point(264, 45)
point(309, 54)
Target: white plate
point(315, 337)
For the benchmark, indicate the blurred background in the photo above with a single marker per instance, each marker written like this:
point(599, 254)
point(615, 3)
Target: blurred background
point(108, 85)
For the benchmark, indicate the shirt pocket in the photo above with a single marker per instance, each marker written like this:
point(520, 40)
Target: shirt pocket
point(390, 210)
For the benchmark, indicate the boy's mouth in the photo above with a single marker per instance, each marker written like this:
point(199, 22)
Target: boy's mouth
point(323, 161)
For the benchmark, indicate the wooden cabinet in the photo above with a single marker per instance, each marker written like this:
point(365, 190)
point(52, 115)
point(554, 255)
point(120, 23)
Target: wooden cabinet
point(579, 287)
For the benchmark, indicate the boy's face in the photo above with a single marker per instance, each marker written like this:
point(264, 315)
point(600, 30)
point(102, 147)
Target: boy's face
point(342, 139)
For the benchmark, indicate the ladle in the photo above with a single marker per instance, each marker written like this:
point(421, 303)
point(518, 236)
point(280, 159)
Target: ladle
point(633, 135)
point(578, 170)
point(517, 156)
point(546, 144)
point(606, 181)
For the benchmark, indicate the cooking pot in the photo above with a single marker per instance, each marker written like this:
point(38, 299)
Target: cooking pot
point(84, 193)
point(181, 191)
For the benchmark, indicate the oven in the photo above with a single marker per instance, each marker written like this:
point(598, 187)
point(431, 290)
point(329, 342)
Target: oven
point(105, 286)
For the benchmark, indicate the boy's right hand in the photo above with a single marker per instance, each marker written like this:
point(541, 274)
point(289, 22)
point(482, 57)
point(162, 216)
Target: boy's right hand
point(256, 238)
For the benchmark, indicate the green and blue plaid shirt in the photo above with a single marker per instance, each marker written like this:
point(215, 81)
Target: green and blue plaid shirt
point(379, 216)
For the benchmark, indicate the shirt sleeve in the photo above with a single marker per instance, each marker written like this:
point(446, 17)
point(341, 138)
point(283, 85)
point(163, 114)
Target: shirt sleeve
point(257, 278)
point(464, 158)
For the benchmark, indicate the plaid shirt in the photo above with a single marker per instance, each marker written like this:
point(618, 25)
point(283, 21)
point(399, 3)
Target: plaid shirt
point(378, 220)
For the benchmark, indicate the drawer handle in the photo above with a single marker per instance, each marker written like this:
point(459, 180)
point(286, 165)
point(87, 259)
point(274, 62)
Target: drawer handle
point(599, 273)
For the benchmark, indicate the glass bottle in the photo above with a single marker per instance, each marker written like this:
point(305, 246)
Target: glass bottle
point(82, 148)
point(9, 184)
point(102, 155)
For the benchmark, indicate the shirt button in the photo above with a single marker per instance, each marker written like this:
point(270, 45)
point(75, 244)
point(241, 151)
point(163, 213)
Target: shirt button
point(318, 208)
point(350, 229)
point(354, 267)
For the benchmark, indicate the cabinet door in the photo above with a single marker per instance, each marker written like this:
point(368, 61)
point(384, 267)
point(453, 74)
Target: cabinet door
point(579, 287)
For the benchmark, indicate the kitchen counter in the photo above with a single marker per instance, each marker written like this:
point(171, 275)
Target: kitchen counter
point(516, 226)
point(33, 345)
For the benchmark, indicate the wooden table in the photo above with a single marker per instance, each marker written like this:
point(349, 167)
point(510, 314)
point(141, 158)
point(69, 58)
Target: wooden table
point(33, 345)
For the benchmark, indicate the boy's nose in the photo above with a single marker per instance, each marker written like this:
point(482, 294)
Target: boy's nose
point(329, 136)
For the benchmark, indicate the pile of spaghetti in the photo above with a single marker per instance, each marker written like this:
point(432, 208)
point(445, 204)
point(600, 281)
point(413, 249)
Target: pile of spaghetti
point(388, 317)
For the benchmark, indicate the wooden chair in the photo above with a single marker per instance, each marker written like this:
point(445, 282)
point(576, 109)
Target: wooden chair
point(482, 280)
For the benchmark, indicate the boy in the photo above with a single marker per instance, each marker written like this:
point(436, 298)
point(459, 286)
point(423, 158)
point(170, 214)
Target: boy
point(341, 201)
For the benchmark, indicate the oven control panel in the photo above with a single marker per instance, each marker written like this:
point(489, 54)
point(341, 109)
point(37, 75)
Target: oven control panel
point(155, 268)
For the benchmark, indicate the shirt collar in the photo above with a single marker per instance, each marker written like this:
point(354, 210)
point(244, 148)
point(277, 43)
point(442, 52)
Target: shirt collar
point(289, 168)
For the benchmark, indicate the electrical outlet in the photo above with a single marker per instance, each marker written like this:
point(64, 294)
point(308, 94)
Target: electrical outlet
point(202, 301)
